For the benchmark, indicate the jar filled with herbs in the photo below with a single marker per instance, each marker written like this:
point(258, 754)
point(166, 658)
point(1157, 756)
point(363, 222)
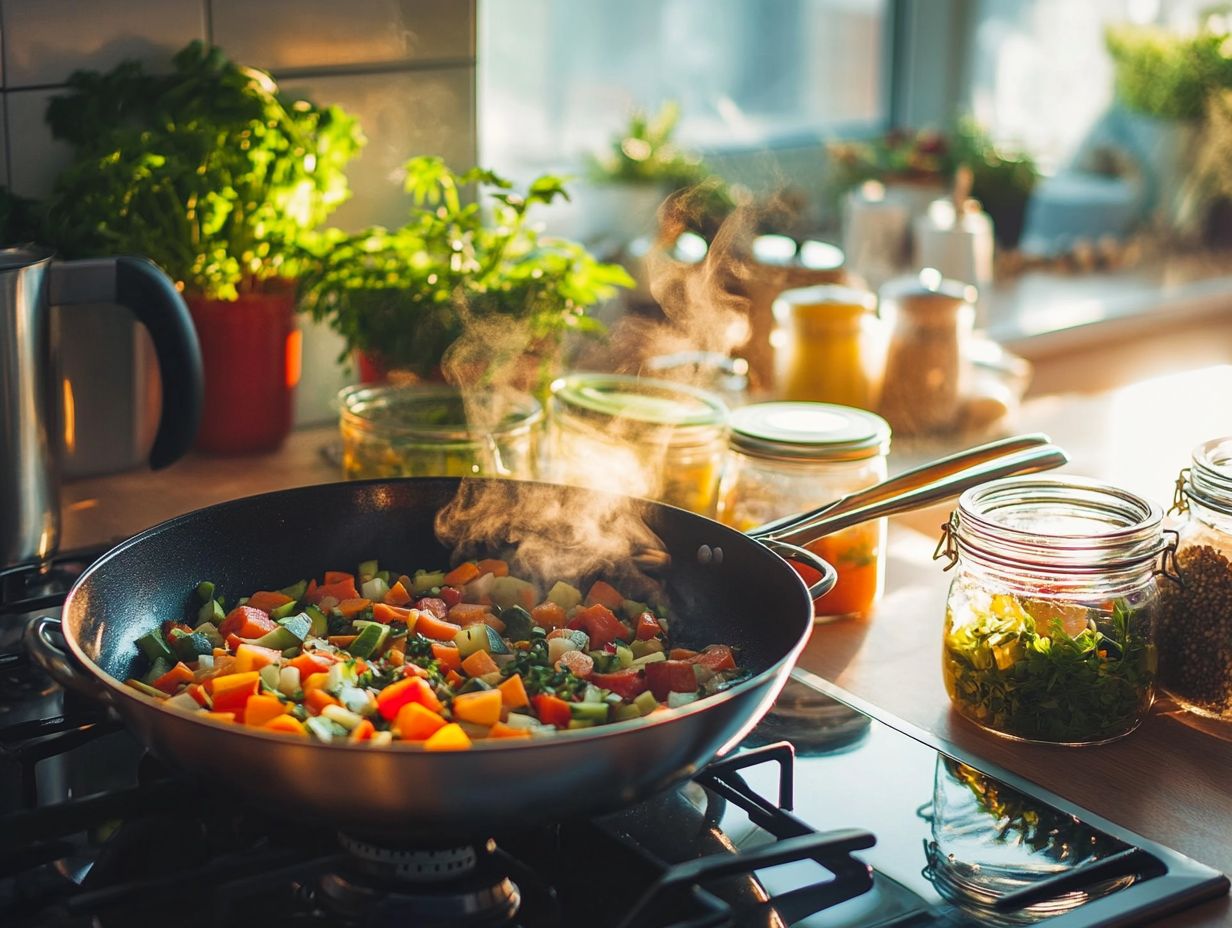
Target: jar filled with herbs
point(1195, 636)
point(1052, 614)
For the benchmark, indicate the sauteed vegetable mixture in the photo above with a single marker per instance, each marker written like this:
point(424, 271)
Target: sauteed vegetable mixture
point(438, 657)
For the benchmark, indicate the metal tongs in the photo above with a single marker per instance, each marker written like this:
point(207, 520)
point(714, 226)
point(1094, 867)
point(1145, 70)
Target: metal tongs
point(923, 486)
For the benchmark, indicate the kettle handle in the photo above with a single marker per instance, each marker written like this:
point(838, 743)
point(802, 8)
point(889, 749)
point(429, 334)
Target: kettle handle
point(139, 285)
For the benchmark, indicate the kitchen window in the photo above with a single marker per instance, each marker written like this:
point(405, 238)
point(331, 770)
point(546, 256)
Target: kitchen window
point(557, 78)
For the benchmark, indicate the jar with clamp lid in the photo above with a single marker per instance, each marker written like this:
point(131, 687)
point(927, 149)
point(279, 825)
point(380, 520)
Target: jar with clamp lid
point(1195, 636)
point(1050, 624)
point(787, 458)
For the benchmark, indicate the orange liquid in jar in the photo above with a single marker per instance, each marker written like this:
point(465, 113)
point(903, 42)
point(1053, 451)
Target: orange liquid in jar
point(855, 553)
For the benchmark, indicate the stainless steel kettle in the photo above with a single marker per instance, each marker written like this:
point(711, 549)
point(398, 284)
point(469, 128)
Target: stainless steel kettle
point(30, 284)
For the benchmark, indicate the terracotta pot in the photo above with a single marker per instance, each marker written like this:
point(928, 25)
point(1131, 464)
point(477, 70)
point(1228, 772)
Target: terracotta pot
point(252, 354)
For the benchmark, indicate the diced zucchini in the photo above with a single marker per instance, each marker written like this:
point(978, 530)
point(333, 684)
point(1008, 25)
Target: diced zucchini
point(320, 624)
point(205, 589)
point(340, 675)
point(645, 702)
point(649, 646)
point(564, 595)
point(286, 609)
point(270, 676)
point(424, 580)
point(183, 701)
point(474, 685)
point(520, 720)
point(624, 655)
point(153, 645)
point(479, 637)
point(285, 636)
point(211, 632)
point(675, 700)
point(188, 646)
point(480, 589)
point(518, 623)
point(369, 640)
point(592, 693)
point(374, 589)
point(212, 611)
point(298, 625)
point(386, 576)
point(581, 723)
point(493, 678)
point(512, 591)
point(367, 570)
point(205, 661)
point(651, 658)
point(595, 712)
point(631, 609)
point(624, 712)
point(145, 688)
point(296, 590)
point(344, 717)
point(324, 729)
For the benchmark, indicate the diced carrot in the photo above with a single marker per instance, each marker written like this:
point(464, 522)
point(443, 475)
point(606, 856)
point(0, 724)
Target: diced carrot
point(355, 606)
point(318, 699)
point(493, 622)
point(197, 692)
point(342, 641)
point(246, 622)
point(454, 679)
point(478, 664)
point(217, 716)
point(396, 657)
point(501, 730)
point(430, 626)
point(383, 612)
point(171, 680)
point(549, 615)
point(343, 589)
point(481, 707)
point(681, 654)
point(363, 731)
point(397, 595)
point(261, 707)
point(449, 738)
point(287, 723)
point(493, 566)
point(513, 692)
point(606, 594)
point(337, 576)
point(448, 656)
point(267, 600)
point(309, 663)
point(647, 626)
point(416, 723)
point(230, 692)
point(468, 613)
point(254, 657)
point(463, 574)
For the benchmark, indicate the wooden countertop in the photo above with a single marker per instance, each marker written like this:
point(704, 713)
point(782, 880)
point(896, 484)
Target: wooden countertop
point(1168, 781)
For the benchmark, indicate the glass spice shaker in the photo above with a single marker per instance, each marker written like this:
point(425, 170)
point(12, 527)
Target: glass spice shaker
point(787, 458)
point(1050, 624)
point(1195, 636)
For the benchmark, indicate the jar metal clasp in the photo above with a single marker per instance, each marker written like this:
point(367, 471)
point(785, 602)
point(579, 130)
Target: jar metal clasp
point(1180, 500)
point(947, 544)
point(1169, 569)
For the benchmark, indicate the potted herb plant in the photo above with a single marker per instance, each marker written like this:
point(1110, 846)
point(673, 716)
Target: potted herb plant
point(401, 297)
point(218, 177)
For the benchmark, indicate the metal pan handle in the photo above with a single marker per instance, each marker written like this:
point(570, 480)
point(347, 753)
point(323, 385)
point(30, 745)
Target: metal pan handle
point(61, 666)
point(829, 576)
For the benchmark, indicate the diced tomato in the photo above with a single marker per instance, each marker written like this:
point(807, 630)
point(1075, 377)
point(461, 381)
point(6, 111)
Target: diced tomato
point(171, 680)
point(454, 679)
point(716, 657)
point(626, 683)
point(681, 654)
point(648, 626)
point(247, 622)
point(309, 663)
point(448, 655)
point(169, 627)
point(600, 623)
point(451, 595)
point(605, 594)
point(552, 710)
point(665, 677)
point(404, 691)
point(343, 589)
point(197, 692)
point(363, 731)
point(549, 615)
point(438, 607)
point(338, 576)
point(468, 613)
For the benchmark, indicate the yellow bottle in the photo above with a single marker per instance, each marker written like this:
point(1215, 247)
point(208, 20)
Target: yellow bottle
point(829, 346)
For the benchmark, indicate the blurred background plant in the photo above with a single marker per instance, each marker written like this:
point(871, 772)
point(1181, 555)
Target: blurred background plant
point(1001, 178)
point(1166, 74)
point(644, 152)
point(404, 295)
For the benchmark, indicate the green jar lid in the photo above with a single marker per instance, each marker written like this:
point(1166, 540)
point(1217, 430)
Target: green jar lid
point(809, 432)
point(654, 403)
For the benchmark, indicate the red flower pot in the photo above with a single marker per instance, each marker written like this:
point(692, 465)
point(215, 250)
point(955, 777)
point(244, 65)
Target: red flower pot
point(251, 352)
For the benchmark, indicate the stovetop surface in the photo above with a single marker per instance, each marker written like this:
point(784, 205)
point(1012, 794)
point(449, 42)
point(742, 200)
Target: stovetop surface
point(953, 845)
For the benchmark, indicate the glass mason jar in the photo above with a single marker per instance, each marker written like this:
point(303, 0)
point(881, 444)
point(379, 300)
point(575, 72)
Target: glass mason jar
point(430, 431)
point(639, 437)
point(1051, 619)
point(1195, 635)
point(829, 346)
point(786, 458)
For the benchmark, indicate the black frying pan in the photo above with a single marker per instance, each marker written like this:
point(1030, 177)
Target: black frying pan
point(736, 591)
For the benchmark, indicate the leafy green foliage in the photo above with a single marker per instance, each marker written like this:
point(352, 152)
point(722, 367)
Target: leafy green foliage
point(20, 219)
point(644, 152)
point(406, 294)
point(1170, 76)
point(209, 170)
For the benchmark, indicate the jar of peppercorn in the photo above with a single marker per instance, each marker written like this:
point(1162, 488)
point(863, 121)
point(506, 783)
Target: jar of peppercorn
point(1195, 635)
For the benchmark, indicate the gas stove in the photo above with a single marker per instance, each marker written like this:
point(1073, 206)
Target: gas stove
point(826, 816)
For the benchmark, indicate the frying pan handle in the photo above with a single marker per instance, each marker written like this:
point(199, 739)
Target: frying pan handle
point(829, 576)
point(44, 649)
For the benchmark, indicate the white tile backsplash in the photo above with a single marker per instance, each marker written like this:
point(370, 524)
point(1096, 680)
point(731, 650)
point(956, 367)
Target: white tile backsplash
point(429, 112)
point(35, 158)
point(46, 40)
point(304, 34)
